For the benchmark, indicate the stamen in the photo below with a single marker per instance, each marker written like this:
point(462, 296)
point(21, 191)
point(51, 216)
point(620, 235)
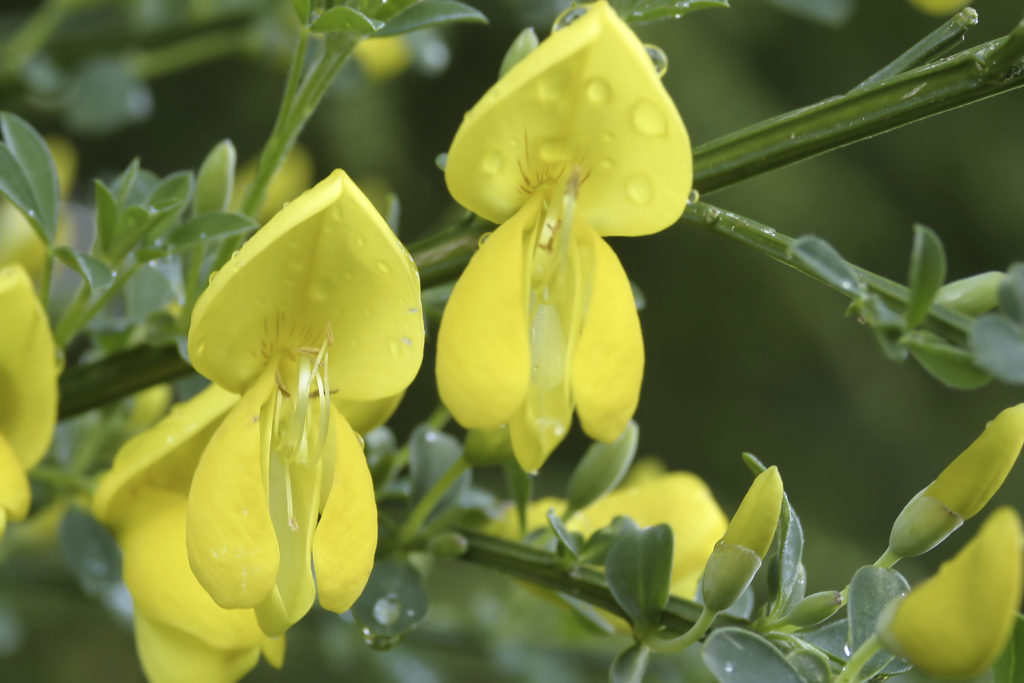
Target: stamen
point(280, 384)
point(293, 524)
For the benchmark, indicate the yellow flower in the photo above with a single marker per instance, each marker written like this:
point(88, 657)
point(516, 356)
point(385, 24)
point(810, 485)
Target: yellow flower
point(322, 301)
point(28, 389)
point(180, 632)
point(956, 623)
point(383, 58)
point(579, 140)
point(939, 8)
point(293, 177)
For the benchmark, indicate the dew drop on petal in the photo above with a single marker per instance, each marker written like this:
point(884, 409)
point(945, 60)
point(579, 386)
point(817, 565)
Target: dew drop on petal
point(694, 196)
point(598, 91)
point(567, 17)
point(639, 190)
point(658, 58)
point(648, 119)
point(479, 243)
point(383, 267)
point(493, 162)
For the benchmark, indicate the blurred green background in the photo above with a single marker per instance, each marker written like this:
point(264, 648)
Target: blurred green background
point(742, 353)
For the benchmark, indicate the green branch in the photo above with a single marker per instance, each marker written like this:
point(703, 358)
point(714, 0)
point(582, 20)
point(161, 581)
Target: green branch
point(583, 583)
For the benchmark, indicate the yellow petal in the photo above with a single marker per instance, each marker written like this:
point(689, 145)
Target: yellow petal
point(608, 364)
point(28, 369)
point(753, 525)
point(967, 483)
point(163, 587)
point(483, 353)
point(273, 649)
point(15, 495)
point(956, 623)
point(346, 537)
point(327, 260)
point(232, 548)
point(588, 96)
point(680, 499)
point(169, 655)
point(164, 456)
point(364, 416)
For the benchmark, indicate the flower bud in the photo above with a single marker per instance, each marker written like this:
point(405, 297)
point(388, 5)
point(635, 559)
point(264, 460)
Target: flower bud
point(216, 178)
point(815, 608)
point(962, 489)
point(448, 544)
point(737, 557)
point(956, 623)
point(972, 295)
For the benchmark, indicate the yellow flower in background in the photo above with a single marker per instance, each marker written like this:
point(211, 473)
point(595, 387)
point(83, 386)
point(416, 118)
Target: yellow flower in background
point(28, 389)
point(292, 179)
point(956, 623)
point(939, 8)
point(383, 58)
point(19, 242)
point(577, 141)
point(680, 499)
point(322, 301)
point(181, 634)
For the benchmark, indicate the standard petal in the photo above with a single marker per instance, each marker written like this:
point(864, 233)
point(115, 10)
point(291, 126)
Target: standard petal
point(587, 96)
point(15, 495)
point(363, 416)
point(483, 352)
point(163, 456)
point(327, 260)
point(346, 537)
point(608, 364)
point(169, 655)
point(28, 369)
point(232, 548)
point(156, 571)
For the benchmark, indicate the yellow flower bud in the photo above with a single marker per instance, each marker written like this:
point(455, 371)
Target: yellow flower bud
point(737, 557)
point(955, 624)
point(938, 8)
point(962, 489)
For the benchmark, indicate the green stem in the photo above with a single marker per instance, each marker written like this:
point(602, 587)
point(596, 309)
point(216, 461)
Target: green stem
point(79, 314)
point(860, 658)
point(86, 386)
point(187, 53)
point(546, 569)
point(59, 477)
point(931, 47)
point(969, 76)
point(695, 633)
point(411, 527)
point(888, 559)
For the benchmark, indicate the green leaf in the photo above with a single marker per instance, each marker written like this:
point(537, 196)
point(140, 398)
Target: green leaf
point(216, 179)
point(831, 639)
point(431, 13)
point(29, 150)
point(811, 665)
point(520, 489)
point(209, 227)
point(301, 8)
point(392, 603)
point(172, 192)
point(431, 454)
point(630, 665)
point(523, 44)
point(951, 365)
point(998, 347)
point(823, 260)
point(736, 655)
point(90, 552)
point(643, 11)
point(638, 569)
point(602, 468)
point(595, 550)
point(568, 539)
point(95, 273)
point(346, 19)
point(871, 589)
point(1009, 668)
point(1011, 293)
point(106, 215)
point(926, 275)
point(15, 186)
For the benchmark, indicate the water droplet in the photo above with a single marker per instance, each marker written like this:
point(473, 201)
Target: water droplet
point(378, 641)
point(553, 151)
point(567, 17)
point(387, 610)
point(607, 136)
point(362, 441)
point(360, 241)
point(60, 360)
point(406, 341)
point(639, 190)
point(552, 87)
point(213, 274)
point(728, 667)
point(393, 347)
point(383, 267)
point(598, 91)
point(479, 243)
point(606, 164)
point(493, 162)
point(31, 213)
point(658, 58)
point(648, 119)
point(711, 216)
point(482, 238)
point(694, 196)
point(847, 652)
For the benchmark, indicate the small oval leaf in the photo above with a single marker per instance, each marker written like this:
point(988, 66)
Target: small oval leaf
point(927, 273)
point(638, 569)
point(431, 13)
